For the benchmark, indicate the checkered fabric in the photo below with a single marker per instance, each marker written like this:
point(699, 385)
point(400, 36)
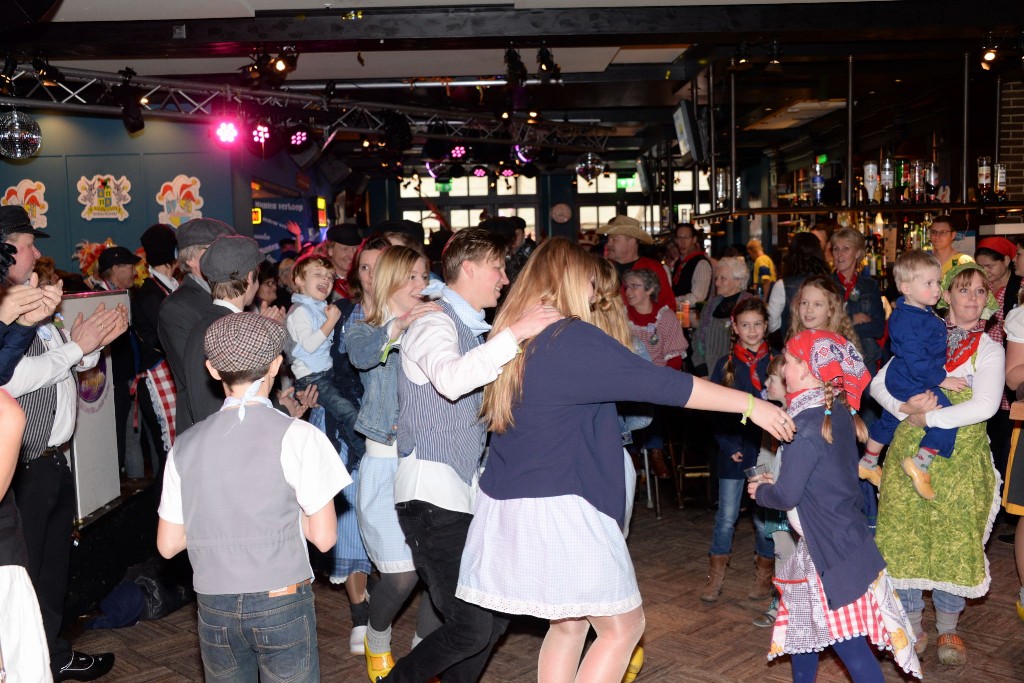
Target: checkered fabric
point(243, 341)
point(164, 396)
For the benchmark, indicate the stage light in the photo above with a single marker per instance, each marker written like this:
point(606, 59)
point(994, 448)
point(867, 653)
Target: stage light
point(7, 76)
point(479, 171)
point(515, 71)
point(260, 132)
point(527, 153)
point(48, 74)
point(129, 98)
point(300, 137)
point(988, 50)
point(774, 58)
point(264, 139)
point(548, 70)
point(507, 172)
point(437, 169)
point(457, 171)
point(528, 171)
point(286, 61)
point(226, 132)
point(458, 151)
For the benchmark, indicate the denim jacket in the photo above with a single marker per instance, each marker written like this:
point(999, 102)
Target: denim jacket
point(378, 416)
point(867, 298)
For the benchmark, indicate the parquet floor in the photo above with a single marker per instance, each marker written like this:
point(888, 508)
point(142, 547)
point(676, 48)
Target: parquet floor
point(686, 640)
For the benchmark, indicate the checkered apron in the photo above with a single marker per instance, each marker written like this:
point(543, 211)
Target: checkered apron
point(160, 383)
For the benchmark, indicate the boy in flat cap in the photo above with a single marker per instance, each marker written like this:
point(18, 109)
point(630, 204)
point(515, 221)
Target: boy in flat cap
point(243, 491)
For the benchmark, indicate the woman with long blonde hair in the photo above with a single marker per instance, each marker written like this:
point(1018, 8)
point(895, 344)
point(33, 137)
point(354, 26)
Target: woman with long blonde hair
point(545, 538)
point(394, 302)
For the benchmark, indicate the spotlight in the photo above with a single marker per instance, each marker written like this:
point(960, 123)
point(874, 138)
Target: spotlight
point(528, 170)
point(988, 50)
point(300, 137)
point(458, 151)
point(264, 139)
point(479, 172)
point(774, 58)
point(507, 172)
point(515, 70)
point(366, 142)
point(527, 153)
point(505, 114)
point(548, 69)
point(457, 171)
point(48, 74)
point(129, 99)
point(743, 54)
point(7, 76)
point(437, 169)
point(286, 61)
point(260, 132)
point(226, 133)
point(397, 131)
point(329, 90)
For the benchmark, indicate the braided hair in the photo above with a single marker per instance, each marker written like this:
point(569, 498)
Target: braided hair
point(747, 305)
point(831, 398)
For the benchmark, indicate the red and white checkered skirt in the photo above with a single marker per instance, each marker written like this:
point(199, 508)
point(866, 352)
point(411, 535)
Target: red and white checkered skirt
point(806, 624)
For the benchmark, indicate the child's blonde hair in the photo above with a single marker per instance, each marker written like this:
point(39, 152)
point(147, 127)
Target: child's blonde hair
point(859, 427)
point(838, 321)
point(746, 306)
point(909, 265)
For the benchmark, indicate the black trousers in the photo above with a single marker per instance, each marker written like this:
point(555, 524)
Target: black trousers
point(45, 493)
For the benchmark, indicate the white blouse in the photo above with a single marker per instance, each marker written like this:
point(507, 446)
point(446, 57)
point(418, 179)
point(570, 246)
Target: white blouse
point(986, 376)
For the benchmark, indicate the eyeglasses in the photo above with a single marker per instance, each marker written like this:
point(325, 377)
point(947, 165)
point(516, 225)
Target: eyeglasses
point(939, 232)
point(635, 285)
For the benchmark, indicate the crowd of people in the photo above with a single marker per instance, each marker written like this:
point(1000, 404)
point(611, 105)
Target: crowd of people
point(417, 418)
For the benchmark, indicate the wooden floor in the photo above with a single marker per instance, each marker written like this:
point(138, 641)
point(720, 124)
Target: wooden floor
point(686, 640)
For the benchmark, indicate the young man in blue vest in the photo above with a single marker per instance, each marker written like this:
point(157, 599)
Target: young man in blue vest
point(244, 490)
point(445, 365)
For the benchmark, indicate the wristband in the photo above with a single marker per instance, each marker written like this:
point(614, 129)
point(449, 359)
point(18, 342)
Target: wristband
point(749, 411)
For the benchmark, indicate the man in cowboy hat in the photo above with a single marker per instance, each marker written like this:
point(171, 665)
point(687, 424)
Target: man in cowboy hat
point(625, 235)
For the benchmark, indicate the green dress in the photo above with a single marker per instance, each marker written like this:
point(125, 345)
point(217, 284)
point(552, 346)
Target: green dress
point(939, 544)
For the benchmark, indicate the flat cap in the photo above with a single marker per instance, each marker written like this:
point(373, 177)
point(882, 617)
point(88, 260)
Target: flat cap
point(199, 231)
point(115, 256)
point(240, 342)
point(230, 257)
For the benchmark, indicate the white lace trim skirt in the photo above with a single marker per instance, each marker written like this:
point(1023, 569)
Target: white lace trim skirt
point(553, 558)
point(375, 508)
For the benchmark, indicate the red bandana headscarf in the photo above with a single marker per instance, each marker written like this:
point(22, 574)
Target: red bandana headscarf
point(833, 359)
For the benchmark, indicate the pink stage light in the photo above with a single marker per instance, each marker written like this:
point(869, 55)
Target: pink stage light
point(227, 132)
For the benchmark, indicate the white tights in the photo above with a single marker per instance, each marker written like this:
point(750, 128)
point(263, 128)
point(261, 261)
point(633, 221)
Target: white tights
point(607, 658)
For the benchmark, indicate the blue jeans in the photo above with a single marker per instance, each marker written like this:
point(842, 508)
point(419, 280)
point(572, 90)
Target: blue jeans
point(461, 646)
point(913, 601)
point(730, 493)
point(251, 636)
point(341, 414)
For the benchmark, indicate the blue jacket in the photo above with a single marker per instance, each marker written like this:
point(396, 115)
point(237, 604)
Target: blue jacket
point(868, 300)
point(918, 339)
point(731, 435)
point(820, 479)
point(378, 414)
point(14, 342)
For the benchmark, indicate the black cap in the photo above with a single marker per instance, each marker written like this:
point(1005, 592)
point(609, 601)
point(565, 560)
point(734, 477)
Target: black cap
point(230, 257)
point(346, 233)
point(14, 219)
point(160, 245)
point(115, 256)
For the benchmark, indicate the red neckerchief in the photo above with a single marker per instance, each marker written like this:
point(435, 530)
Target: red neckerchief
point(847, 286)
point(961, 344)
point(750, 359)
point(341, 287)
point(682, 262)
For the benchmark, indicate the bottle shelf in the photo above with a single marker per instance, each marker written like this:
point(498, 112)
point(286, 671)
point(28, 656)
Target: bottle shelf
point(728, 214)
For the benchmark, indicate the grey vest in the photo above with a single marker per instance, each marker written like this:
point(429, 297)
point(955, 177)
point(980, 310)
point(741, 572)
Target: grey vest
point(440, 430)
point(241, 516)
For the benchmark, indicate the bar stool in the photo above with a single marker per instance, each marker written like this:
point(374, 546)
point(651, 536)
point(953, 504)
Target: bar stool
point(683, 471)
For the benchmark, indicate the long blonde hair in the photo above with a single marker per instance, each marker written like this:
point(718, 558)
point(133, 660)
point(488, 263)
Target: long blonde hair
point(558, 274)
point(609, 311)
point(390, 273)
point(838, 320)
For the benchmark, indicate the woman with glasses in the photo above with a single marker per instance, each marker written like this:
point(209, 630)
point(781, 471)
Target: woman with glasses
point(942, 234)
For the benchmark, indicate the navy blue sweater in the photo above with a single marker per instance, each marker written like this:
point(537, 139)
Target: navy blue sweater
point(566, 438)
point(821, 480)
point(732, 435)
point(918, 340)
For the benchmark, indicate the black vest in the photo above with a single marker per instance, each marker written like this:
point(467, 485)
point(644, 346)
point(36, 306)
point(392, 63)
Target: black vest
point(682, 275)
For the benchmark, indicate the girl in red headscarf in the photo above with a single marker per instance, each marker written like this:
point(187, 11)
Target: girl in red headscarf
point(834, 587)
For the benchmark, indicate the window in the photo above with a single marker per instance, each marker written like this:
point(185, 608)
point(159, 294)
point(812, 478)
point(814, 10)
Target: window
point(516, 186)
point(527, 213)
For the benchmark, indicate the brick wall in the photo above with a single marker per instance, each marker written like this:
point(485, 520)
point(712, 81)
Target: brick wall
point(1011, 143)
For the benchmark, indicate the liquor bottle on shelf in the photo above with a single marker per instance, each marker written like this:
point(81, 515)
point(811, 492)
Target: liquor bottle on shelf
point(930, 171)
point(999, 182)
point(900, 178)
point(860, 193)
point(817, 183)
point(871, 180)
point(870, 258)
point(886, 179)
point(984, 178)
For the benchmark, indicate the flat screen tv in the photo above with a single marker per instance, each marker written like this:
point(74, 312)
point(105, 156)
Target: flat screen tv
point(692, 147)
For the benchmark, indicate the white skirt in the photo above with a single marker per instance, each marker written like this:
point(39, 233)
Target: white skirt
point(375, 508)
point(25, 652)
point(553, 558)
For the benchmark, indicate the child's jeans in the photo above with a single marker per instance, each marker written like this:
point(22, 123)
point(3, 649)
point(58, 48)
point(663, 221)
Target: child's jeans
point(251, 636)
point(730, 494)
point(341, 414)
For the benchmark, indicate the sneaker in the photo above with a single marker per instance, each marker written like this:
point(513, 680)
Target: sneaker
point(636, 662)
point(356, 640)
point(951, 650)
point(83, 667)
point(377, 665)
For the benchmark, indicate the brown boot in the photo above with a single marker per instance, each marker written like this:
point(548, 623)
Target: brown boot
point(657, 459)
point(716, 577)
point(762, 588)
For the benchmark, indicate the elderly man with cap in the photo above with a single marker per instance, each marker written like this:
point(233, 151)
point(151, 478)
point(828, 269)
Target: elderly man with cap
point(230, 266)
point(43, 486)
point(155, 387)
point(342, 244)
point(183, 307)
point(243, 492)
point(625, 235)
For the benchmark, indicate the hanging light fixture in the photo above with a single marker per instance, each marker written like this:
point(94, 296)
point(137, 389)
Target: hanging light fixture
point(7, 76)
point(129, 98)
point(589, 166)
point(547, 69)
point(774, 58)
point(20, 136)
point(49, 75)
point(515, 71)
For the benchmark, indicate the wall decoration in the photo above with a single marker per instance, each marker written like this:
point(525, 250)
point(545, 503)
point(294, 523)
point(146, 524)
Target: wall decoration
point(28, 194)
point(104, 196)
point(180, 200)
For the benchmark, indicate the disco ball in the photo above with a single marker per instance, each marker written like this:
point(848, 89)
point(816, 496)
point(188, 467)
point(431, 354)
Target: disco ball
point(20, 136)
point(589, 166)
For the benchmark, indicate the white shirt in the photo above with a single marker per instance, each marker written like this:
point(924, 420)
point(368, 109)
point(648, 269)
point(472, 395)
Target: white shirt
point(169, 282)
point(309, 462)
point(301, 332)
point(776, 305)
point(54, 368)
point(430, 353)
point(986, 377)
point(227, 304)
point(700, 286)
